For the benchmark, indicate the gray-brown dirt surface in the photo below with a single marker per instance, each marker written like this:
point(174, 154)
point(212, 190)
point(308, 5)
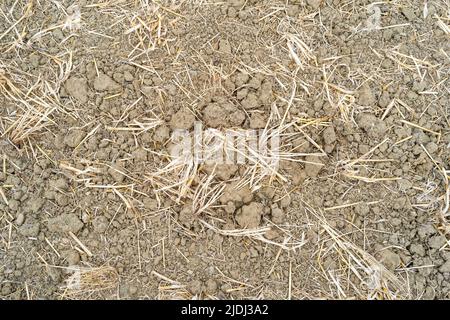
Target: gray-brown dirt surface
point(91, 91)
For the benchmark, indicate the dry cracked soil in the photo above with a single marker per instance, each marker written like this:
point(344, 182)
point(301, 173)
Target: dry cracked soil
point(93, 206)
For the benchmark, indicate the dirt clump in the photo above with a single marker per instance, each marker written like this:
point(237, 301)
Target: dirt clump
point(222, 115)
point(77, 88)
point(105, 83)
point(239, 196)
point(372, 125)
point(183, 119)
point(313, 166)
point(249, 215)
point(65, 223)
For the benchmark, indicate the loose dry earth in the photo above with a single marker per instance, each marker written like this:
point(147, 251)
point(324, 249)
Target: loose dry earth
point(90, 92)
